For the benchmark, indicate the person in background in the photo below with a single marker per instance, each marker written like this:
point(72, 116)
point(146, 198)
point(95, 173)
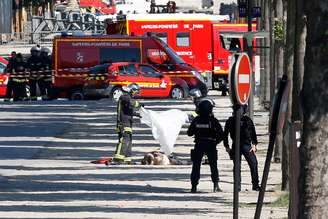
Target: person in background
point(35, 66)
point(46, 78)
point(19, 78)
point(208, 133)
point(248, 142)
point(9, 69)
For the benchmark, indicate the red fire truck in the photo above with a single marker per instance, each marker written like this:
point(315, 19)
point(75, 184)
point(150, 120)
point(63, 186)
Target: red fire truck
point(103, 6)
point(199, 39)
point(73, 56)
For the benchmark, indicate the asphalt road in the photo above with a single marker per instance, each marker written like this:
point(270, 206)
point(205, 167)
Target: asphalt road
point(45, 169)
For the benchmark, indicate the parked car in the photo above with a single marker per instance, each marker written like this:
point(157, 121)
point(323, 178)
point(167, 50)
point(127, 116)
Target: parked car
point(108, 80)
point(3, 76)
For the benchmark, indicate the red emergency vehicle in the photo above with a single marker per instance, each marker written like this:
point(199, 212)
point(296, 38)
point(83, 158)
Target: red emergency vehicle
point(109, 79)
point(3, 76)
point(199, 39)
point(103, 6)
point(73, 56)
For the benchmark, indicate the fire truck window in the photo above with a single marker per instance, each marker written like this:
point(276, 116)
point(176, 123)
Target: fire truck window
point(148, 71)
point(120, 54)
point(183, 39)
point(157, 56)
point(162, 36)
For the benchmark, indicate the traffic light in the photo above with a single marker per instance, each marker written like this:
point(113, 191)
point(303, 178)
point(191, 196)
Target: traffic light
point(243, 9)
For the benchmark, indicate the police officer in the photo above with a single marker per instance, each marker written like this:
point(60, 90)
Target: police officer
point(45, 80)
point(126, 109)
point(248, 142)
point(35, 66)
point(208, 133)
point(9, 69)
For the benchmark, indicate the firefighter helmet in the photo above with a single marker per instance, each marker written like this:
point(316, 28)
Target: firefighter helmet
point(45, 50)
point(35, 49)
point(133, 89)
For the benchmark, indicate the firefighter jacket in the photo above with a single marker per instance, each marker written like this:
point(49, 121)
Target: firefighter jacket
point(36, 66)
point(126, 109)
point(47, 66)
point(18, 72)
point(206, 129)
point(247, 131)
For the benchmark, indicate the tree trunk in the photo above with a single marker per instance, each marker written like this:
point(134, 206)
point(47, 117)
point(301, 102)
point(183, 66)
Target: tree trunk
point(314, 148)
point(289, 70)
point(278, 68)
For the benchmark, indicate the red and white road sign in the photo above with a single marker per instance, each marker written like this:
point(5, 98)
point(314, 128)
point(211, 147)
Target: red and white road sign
point(240, 79)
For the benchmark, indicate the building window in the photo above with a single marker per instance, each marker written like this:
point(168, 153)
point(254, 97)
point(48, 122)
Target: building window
point(183, 39)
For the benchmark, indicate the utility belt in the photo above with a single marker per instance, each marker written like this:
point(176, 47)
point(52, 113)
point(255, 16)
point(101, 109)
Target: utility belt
point(205, 139)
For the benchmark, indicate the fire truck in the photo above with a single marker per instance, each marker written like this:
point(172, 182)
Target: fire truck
point(103, 6)
point(73, 56)
point(201, 40)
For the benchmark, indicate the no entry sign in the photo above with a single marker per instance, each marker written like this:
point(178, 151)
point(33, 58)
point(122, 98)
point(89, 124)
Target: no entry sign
point(240, 79)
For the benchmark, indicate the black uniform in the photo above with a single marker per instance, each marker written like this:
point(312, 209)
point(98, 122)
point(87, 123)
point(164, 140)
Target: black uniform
point(45, 80)
point(19, 80)
point(35, 66)
point(247, 138)
point(208, 133)
point(126, 109)
point(9, 69)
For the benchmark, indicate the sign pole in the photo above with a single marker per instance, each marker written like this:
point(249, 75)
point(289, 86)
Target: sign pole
point(239, 80)
point(250, 54)
point(236, 166)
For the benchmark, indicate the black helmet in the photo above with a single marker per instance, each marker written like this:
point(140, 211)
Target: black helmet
point(205, 107)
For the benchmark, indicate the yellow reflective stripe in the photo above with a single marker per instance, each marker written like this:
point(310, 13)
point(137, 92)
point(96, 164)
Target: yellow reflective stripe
point(194, 114)
point(127, 159)
point(136, 104)
point(127, 129)
point(119, 157)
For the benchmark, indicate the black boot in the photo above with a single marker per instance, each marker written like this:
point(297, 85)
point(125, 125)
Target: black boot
point(193, 189)
point(216, 188)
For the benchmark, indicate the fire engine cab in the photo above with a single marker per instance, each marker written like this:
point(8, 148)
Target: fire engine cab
point(198, 38)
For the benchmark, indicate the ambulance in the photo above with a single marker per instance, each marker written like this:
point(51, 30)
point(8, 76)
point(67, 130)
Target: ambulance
point(74, 56)
point(201, 40)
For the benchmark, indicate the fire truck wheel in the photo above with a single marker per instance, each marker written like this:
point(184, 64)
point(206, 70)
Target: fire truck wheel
point(224, 93)
point(176, 93)
point(116, 93)
point(76, 95)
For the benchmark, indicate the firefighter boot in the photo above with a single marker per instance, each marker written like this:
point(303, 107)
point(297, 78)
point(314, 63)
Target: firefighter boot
point(193, 189)
point(216, 187)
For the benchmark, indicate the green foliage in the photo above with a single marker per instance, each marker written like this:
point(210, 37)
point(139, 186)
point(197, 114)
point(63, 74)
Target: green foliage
point(36, 2)
point(279, 30)
point(282, 201)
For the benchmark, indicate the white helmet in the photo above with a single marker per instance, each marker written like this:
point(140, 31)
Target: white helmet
point(133, 89)
point(35, 49)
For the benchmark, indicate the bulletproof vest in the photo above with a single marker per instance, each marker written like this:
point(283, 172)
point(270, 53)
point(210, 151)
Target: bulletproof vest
point(204, 129)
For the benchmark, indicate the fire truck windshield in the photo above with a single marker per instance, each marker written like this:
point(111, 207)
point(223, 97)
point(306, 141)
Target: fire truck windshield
point(176, 58)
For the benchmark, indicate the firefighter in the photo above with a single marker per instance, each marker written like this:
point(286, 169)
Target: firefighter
point(9, 69)
point(208, 133)
point(45, 80)
point(248, 142)
point(19, 78)
point(35, 66)
point(126, 109)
